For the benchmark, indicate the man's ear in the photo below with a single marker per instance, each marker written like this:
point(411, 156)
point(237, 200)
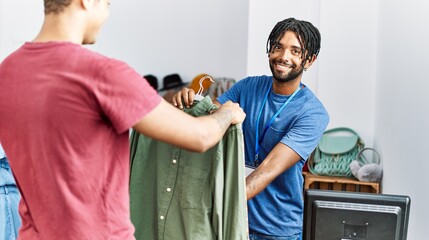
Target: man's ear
point(310, 61)
point(86, 4)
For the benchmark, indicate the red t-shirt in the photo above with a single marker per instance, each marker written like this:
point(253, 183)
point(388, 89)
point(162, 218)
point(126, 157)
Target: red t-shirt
point(65, 115)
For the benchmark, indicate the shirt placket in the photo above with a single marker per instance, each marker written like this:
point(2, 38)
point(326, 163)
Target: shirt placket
point(168, 190)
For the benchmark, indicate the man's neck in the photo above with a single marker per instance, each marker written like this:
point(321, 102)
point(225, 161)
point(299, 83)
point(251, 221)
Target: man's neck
point(61, 28)
point(286, 88)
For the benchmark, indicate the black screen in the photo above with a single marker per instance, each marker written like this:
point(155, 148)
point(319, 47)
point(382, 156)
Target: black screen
point(335, 215)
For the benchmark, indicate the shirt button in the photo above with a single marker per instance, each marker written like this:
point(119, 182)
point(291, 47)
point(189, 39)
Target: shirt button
point(161, 217)
point(174, 161)
point(168, 189)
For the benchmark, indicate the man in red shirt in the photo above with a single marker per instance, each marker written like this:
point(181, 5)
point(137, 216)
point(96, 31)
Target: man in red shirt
point(65, 115)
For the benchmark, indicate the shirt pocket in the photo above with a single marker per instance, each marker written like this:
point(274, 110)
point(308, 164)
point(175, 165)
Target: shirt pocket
point(193, 185)
point(272, 138)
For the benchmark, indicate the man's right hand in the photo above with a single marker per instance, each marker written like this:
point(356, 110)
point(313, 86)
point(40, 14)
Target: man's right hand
point(187, 94)
point(238, 114)
point(185, 97)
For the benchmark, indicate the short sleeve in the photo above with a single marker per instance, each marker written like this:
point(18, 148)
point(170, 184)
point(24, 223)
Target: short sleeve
point(124, 95)
point(304, 136)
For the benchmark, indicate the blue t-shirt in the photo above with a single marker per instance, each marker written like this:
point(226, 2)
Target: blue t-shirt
point(278, 210)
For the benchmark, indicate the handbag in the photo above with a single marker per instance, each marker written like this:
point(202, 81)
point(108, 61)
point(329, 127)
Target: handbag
point(337, 148)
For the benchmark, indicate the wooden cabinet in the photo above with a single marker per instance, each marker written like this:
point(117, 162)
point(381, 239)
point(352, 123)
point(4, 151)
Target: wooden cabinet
point(339, 184)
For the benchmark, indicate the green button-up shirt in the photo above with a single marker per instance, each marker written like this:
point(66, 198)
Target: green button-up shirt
point(177, 194)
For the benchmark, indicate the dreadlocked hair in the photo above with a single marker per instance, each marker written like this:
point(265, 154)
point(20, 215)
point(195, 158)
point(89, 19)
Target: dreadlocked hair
point(56, 6)
point(308, 36)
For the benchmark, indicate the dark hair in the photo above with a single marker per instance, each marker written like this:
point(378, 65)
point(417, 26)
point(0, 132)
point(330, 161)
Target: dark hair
point(56, 6)
point(308, 36)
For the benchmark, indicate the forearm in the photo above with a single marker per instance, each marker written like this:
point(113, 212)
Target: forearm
point(214, 127)
point(278, 160)
point(257, 181)
point(168, 124)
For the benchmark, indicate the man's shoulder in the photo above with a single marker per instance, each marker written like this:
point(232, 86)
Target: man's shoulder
point(310, 98)
point(311, 105)
point(255, 82)
point(99, 62)
point(77, 52)
point(57, 51)
point(91, 56)
point(256, 79)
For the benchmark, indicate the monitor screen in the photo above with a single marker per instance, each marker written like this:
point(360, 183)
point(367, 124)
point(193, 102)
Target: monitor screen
point(340, 215)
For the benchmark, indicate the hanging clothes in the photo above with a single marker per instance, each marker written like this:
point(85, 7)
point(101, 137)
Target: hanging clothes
point(9, 200)
point(178, 194)
point(220, 86)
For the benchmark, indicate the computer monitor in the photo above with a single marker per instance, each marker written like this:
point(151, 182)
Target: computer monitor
point(336, 215)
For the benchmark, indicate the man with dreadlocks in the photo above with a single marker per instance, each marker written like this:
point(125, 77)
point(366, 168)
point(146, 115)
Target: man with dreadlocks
point(284, 124)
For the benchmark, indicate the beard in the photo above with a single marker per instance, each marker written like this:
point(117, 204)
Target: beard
point(286, 77)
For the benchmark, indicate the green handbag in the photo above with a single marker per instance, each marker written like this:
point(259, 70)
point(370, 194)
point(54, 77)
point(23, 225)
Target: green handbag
point(337, 148)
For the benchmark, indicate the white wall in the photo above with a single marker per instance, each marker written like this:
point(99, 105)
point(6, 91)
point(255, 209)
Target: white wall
point(189, 38)
point(402, 105)
point(347, 68)
point(20, 21)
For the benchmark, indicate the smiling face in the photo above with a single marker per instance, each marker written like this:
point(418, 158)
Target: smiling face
point(286, 58)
